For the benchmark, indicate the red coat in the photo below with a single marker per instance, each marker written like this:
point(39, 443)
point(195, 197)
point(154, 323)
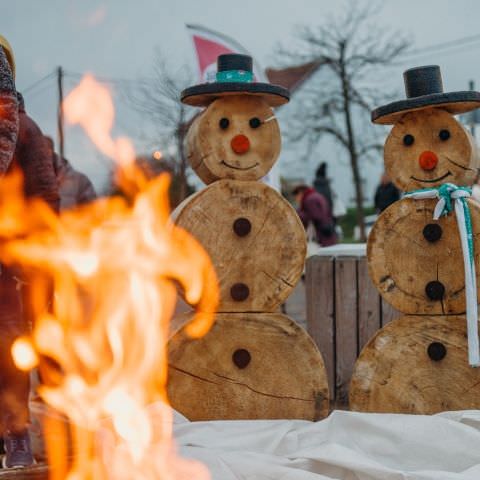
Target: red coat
point(315, 209)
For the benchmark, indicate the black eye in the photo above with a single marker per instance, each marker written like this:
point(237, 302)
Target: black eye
point(444, 135)
point(408, 140)
point(255, 122)
point(224, 123)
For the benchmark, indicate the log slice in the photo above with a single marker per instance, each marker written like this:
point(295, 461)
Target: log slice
point(416, 364)
point(254, 238)
point(249, 366)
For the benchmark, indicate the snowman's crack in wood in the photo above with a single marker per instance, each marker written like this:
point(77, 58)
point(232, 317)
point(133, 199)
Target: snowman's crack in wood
point(463, 167)
point(262, 226)
point(259, 365)
point(471, 387)
point(190, 374)
point(242, 384)
point(202, 160)
point(409, 238)
point(276, 278)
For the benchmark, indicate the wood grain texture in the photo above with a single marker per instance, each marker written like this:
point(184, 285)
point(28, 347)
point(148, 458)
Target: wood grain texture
point(346, 331)
point(209, 148)
point(269, 259)
point(284, 378)
point(402, 262)
point(457, 156)
point(395, 374)
point(320, 290)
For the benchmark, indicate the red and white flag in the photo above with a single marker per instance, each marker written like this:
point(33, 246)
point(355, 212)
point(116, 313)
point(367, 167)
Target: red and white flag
point(209, 45)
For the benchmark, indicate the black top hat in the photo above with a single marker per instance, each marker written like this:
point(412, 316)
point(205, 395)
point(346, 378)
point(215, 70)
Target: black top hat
point(234, 76)
point(424, 89)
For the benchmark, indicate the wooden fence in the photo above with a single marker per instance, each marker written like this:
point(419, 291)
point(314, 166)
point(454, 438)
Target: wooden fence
point(344, 310)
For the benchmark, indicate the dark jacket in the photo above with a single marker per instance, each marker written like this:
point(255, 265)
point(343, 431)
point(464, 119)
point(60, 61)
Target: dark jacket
point(8, 129)
point(316, 210)
point(385, 195)
point(75, 188)
point(32, 156)
point(322, 186)
point(10, 307)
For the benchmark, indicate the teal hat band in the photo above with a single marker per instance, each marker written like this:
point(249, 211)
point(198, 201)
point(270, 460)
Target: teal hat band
point(234, 76)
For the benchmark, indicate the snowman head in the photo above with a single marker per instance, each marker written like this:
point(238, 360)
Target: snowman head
point(236, 137)
point(429, 147)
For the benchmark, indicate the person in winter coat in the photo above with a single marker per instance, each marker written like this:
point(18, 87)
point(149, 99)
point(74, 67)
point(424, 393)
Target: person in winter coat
point(321, 183)
point(386, 194)
point(314, 209)
point(32, 156)
point(29, 153)
point(74, 187)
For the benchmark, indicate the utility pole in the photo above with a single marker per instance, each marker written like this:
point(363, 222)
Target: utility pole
point(60, 112)
point(473, 116)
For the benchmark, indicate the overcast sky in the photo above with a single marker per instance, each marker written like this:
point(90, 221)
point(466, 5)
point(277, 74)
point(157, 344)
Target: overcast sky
point(116, 38)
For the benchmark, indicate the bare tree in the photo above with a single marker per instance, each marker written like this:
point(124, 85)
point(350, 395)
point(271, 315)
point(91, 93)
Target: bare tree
point(352, 50)
point(158, 97)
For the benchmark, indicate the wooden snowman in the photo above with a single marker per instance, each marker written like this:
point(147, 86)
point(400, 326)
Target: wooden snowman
point(423, 255)
point(255, 362)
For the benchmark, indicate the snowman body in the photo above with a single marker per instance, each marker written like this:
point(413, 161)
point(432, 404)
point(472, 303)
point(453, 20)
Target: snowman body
point(419, 362)
point(255, 363)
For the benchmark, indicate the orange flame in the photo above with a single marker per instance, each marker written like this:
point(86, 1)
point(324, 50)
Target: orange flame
point(101, 345)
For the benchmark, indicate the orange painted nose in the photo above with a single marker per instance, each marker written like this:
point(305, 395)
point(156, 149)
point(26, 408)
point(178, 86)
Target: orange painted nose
point(240, 144)
point(428, 160)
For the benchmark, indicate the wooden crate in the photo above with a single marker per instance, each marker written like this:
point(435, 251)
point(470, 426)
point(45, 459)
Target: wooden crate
point(344, 310)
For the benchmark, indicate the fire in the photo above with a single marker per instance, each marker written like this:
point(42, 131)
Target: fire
point(103, 288)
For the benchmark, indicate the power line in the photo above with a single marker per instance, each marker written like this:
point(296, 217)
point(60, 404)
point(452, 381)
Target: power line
point(443, 45)
point(443, 48)
point(443, 53)
point(103, 79)
point(38, 91)
point(37, 83)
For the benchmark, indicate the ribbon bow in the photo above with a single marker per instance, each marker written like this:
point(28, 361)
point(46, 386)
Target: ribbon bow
point(447, 194)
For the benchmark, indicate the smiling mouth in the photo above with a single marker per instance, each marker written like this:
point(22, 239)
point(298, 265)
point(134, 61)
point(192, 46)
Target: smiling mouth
point(433, 179)
point(239, 168)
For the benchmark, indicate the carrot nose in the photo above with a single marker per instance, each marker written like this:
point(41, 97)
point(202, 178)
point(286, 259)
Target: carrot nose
point(240, 144)
point(428, 160)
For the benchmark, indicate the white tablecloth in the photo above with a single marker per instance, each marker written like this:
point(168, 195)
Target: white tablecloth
point(345, 446)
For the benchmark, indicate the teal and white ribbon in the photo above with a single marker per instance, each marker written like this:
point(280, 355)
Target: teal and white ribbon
point(242, 76)
point(447, 194)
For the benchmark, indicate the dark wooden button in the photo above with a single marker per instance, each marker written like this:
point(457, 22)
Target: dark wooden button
point(239, 292)
point(437, 351)
point(241, 358)
point(435, 290)
point(242, 227)
point(432, 232)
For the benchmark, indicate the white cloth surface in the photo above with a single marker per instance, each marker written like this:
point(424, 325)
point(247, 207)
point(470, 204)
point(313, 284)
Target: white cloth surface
point(345, 446)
